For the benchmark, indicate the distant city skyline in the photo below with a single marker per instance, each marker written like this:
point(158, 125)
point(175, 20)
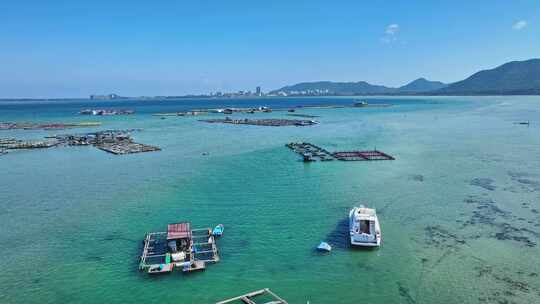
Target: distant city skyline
point(53, 49)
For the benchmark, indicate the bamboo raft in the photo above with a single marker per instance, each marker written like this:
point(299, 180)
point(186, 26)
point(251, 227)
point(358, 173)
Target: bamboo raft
point(249, 298)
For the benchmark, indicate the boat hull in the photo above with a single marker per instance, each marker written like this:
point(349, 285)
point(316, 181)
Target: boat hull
point(365, 244)
point(324, 247)
point(359, 239)
point(218, 230)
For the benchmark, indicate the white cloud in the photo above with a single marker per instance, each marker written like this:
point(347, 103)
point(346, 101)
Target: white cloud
point(392, 29)
point(390, 33)
point(519, 25)
point(388, 39)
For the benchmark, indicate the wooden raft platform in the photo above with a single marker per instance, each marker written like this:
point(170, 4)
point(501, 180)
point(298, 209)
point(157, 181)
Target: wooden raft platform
point(311, 152)
point(13, 144)
point(126, 148)
point(198, 249)
point(250, 298)
point(271, 122)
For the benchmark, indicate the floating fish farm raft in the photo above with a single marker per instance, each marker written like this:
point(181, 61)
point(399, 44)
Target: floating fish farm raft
point(112, 141)
point(180, 247)
point(311, 152)
point(303, 115)
point(264, 122)
point(103, 112)
point(362, 155)
point(45, 126)
point(126, 148)
point(13, 144)
point(263, 296)
point(188, 113)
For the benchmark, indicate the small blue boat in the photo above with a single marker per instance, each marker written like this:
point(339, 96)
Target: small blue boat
point(324, 246)
point(218, 230)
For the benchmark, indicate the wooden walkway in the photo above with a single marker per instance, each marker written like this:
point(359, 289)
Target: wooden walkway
point(249, 298)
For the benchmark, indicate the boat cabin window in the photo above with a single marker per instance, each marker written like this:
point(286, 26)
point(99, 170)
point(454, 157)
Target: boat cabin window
point(364, 227)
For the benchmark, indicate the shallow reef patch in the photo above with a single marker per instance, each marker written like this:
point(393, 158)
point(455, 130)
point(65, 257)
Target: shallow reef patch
point(483, 182)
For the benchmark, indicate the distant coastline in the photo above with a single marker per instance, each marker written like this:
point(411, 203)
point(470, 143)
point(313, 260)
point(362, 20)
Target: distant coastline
point(515, 78)
point(487, 94)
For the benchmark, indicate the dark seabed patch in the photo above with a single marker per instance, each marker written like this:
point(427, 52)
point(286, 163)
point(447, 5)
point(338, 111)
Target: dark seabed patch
point(117, 236)
point(509, 232)
point(517, 175)
point(405, 293)
point(513, 283)
point(525, 181)
point(486, 183)
point(416, 177)
point(487, 213)
point(440, 237)
point(94, 258)
point(533, 185)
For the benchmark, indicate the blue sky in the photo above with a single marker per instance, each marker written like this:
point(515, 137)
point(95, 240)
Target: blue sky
point(76, 48)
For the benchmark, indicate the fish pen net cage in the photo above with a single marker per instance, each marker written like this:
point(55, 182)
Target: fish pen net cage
point(362, 155)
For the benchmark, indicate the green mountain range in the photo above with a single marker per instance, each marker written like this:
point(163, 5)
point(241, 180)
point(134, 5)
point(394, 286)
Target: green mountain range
point(421, 85)
point(516, 77)
point(513, 78)
point(334, 88)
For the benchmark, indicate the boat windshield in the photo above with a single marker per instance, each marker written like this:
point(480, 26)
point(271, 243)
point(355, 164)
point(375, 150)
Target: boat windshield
point(365, 227)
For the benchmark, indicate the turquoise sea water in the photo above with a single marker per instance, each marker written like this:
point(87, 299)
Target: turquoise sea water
point(459, 207)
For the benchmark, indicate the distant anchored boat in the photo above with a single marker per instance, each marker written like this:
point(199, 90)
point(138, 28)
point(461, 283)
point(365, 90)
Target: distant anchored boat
point(364, 227)
point(104, 112)
point(361, 103)
point(365, 104)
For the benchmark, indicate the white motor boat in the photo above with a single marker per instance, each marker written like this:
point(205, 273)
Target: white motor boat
point(364, 227)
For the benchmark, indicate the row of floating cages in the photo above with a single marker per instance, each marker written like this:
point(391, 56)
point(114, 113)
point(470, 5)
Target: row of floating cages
point(362, 155)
